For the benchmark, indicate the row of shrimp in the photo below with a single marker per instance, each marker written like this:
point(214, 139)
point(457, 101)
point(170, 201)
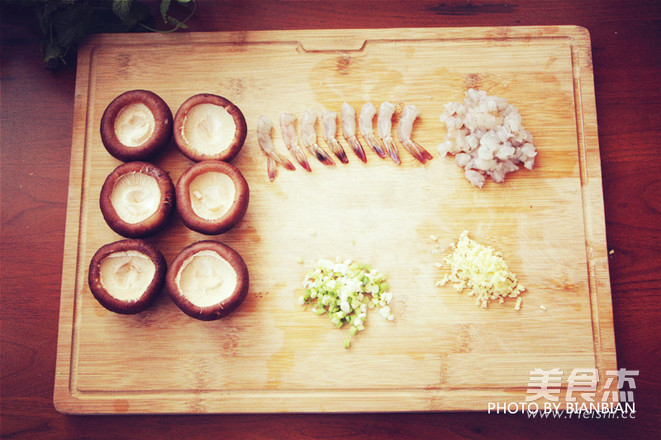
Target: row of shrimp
point(383, 144)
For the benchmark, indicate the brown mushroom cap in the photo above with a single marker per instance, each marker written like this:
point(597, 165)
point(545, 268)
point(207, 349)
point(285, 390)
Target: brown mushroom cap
point(162, 204)
point(126, 254)
point(190, 195)
point(126, 110)
point(206, 306)
point(222, 152)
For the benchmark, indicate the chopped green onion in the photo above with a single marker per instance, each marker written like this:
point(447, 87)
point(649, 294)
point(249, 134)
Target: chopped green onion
point(345, 289)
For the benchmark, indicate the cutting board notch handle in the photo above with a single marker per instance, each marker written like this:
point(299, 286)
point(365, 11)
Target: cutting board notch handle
point(335, 43)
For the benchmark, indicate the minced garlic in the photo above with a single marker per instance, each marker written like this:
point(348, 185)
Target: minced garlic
point(481, 269)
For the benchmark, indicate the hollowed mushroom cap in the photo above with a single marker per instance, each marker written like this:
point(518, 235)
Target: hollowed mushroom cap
point(207, 280)
point(136, 125)
point(126, 276)
point(209, 126)
point(212, 197)
point(137, 199)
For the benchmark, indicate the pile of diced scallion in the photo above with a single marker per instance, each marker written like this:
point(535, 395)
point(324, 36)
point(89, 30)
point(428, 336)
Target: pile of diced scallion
point(344, 290)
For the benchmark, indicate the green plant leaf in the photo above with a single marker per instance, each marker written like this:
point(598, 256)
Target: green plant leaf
point(44, 16)
point(65, 23)
point(177, 23)
point(70, 25)
point(138, 13)
point(51, 52)
point(165, 7)
point(121, 8)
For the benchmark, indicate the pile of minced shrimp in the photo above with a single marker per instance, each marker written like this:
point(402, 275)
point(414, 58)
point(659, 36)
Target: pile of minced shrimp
point(487, 137)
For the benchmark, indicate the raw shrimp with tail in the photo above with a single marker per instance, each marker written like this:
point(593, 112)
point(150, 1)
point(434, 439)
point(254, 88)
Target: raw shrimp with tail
point(288, 127)
point(384, 127)
point(309, 136)
point(404, 128)
point(329, 130)
point(264, 126)
point(349, 131)
point(367, 114)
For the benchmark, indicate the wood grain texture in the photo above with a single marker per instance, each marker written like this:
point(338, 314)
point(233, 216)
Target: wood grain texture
point(625, 36)
point(442, 352)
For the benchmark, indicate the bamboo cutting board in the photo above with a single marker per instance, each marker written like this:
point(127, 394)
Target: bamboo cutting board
point(441, 352)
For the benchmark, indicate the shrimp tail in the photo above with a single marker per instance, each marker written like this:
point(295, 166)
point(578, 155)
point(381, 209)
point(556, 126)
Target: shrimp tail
point(321, 155)
point(392, 150)
point(271, 168)
point(357, 148)
point(299, 155)
point(337, 149)
point(417, 151)
point(375, 145)
point(282, 160)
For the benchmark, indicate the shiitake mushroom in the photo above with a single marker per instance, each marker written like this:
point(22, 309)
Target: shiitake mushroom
point(208, 126)
point(207, 280)
point(137, 199)
point(126, 276)
point(136, 125)
point(212, 197)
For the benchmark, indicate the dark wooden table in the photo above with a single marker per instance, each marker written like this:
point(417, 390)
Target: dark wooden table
point(36, 112)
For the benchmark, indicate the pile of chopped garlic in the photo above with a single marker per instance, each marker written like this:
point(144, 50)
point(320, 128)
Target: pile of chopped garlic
point(345, 289)
point(483, 270)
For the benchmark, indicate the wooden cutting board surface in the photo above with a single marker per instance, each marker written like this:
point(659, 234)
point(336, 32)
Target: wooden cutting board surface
point(441, 352)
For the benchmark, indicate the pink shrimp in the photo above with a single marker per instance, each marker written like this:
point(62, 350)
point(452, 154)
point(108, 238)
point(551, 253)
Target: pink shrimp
point(309, 136)
point(273, 158)
point(384, 127)
point(288, 127)
point(349, 131)
point(404, 128)
point(329, 130)
point(367, 131)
